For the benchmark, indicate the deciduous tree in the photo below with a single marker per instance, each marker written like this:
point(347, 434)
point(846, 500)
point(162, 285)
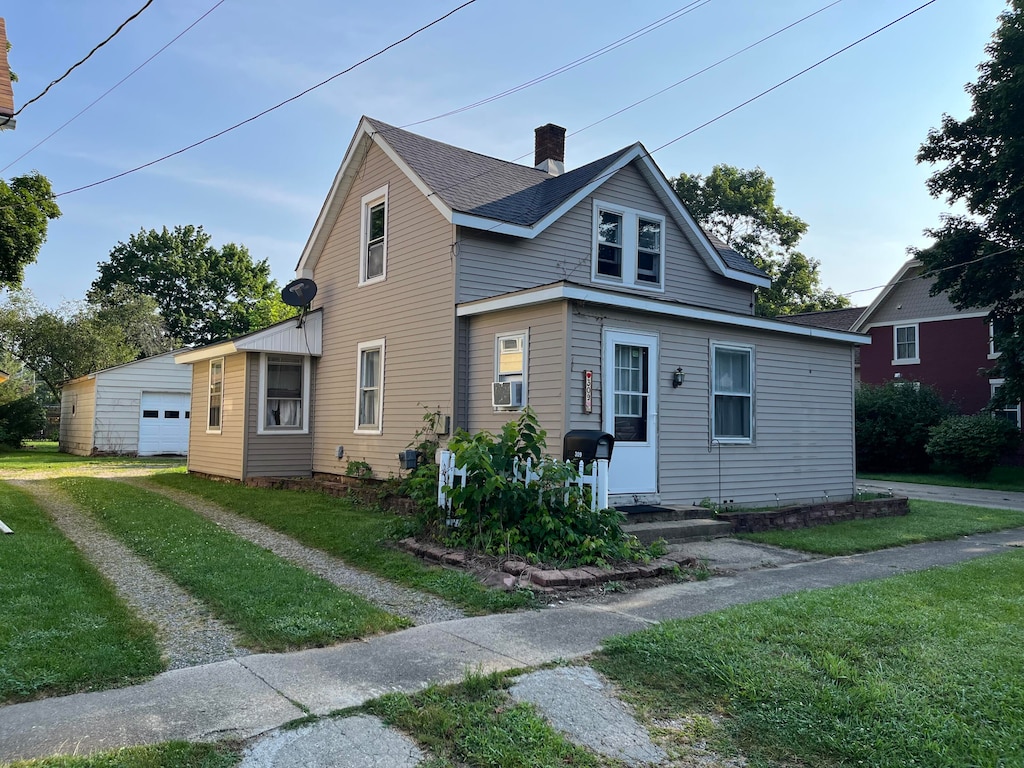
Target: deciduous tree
point(26, 207)
point(739, 207)
point(979, 258)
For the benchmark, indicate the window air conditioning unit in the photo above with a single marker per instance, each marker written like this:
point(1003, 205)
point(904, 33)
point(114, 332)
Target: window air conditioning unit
point(507, 394)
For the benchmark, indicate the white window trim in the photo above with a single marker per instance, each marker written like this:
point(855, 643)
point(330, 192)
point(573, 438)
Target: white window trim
point(630, 245)
point(749, 348)
point(209, 394)
point(992, 353)
point(261, 427)
point(368, 201)
point(379, 429)
point(526, 364)
point(992, 385)
point(917, 345)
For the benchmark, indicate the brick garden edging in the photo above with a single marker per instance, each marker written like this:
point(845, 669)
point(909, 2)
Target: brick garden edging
point(512, 573)
point(809, 515)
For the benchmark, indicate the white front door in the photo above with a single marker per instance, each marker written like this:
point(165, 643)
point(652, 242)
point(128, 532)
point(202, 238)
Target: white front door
point(163, 424)
point(630, 407)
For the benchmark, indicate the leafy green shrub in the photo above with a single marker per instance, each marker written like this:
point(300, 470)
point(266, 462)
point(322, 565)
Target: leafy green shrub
point(971, 445)
point(20, 419)
point(892, 423)
point(499, 514)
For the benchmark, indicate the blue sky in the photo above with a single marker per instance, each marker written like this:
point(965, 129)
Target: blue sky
point(839, 141)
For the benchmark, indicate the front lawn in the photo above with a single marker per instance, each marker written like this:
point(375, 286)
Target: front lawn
point(173, 754)
point(62, 627)
point(273, 604)
point(999, 479)
point(359, 535)
point(926, 521)
point(917, 670)
point(42, 456)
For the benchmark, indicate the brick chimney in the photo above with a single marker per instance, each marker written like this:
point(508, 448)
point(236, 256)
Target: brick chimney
point(549, 149)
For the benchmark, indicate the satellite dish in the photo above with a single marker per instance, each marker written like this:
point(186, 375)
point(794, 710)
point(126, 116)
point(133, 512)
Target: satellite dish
point(299, 293)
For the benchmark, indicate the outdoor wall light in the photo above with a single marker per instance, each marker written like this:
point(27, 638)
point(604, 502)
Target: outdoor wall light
point(677, 378)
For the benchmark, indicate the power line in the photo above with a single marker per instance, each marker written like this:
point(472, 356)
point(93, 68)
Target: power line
point(87, 56)
point(635, 35)
point(107, 92)
point(275, 107)
point(931, 272)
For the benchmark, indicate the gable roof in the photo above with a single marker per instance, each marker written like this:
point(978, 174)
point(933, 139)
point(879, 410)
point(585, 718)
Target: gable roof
point(301, 335)
point(150, 359)
point(836, 319)
point(481, 192)
point(6, 91)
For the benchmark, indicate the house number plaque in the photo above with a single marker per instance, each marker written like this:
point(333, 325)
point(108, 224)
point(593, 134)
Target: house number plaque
point(588, 391)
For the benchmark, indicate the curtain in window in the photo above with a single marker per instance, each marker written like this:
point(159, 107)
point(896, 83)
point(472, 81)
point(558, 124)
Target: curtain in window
point(284, 391)
point(732, 393)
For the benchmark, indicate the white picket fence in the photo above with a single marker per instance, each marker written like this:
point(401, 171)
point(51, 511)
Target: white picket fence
point(597, 479)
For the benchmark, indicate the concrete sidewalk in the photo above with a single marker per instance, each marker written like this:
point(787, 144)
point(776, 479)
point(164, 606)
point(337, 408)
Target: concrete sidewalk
point(248, 696)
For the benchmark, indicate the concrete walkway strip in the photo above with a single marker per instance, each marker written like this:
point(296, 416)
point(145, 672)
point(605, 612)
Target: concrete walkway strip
point(976, 497)
point(189, 634)
point(420, 608)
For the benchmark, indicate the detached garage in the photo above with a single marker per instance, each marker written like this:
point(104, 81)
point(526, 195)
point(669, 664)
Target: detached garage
point(141, 408)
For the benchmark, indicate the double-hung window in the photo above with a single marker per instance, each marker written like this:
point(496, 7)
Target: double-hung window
point(629, 247)
point(997, 329)
point(1010, 413)
point(216, 395)
point(732, 393)
point(510, 355)
point(905, 345)
point(284, 383)
point(373, 239)
point(370, 388)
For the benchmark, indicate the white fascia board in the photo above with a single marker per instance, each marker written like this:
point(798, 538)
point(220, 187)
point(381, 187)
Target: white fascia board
point(885, 293)
point(206, 353)
point(636, 303)
point(919, 320)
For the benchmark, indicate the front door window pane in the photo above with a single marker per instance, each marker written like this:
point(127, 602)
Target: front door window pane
point(631, 392)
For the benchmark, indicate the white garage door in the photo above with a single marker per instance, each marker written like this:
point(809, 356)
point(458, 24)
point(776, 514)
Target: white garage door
point(163, 426)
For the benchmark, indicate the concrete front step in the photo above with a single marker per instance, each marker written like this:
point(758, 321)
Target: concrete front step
point(677, 531)
point(655, 514)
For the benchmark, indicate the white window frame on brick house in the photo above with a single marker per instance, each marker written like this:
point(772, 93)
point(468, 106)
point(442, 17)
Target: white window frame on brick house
point(267, 400)
point(629, 248)
point(211, 428)
point(732, 392)
point(908, 359)
point(364, 426)
point(379, 197)
point(1010, 414)
point(502, 369)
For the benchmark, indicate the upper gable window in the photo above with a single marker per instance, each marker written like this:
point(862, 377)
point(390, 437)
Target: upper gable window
point(629, 246)
point(373, 237)
point(904, 345)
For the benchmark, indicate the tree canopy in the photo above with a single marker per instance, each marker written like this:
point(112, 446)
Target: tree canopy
point(979, 258)
point(26, 207)
point(204, 294)
point(738, 206)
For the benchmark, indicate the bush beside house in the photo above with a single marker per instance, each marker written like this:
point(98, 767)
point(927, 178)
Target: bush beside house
point(971, 445)
point(892, 426)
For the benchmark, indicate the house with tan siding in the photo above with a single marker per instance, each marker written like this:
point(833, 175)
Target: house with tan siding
point(454, 282)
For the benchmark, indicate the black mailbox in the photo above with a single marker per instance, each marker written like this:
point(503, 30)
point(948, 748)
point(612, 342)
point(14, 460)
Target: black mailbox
point(586, 445)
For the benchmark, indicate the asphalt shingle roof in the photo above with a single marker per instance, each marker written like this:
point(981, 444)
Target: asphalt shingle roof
point(833, 319)
point(476, 184)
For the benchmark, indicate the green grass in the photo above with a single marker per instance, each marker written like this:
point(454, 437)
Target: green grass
point(918, 670)
point(44, 457)
point(173, 754)
point(926, 521)
point(475, 724)
point(357, 534)
point(273, 604)
point(62, 628)
point(1000, 479)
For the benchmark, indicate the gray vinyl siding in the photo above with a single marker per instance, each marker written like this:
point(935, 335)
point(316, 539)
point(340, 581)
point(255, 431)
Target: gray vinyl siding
point(490, 264)
point(270, 455)
point(803, 412)
point(909, 300)
point(413, 310)
point(219, 454)
point(76, 429)
point(545, 373)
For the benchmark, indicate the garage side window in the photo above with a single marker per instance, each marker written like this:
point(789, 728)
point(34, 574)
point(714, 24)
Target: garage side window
point(213, 420)
point(283, 407)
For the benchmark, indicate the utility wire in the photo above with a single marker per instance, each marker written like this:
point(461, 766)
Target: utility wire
point(87, 56)
point(931, 272)
point(267, 111)
point(102, 96)
point(636, 34)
